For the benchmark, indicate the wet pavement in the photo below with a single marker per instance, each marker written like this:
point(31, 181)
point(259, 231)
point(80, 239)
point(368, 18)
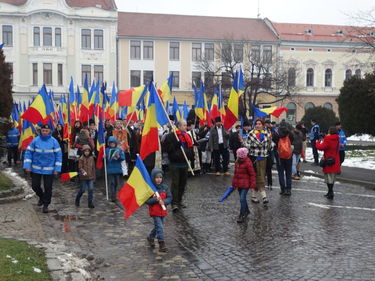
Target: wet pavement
point(302, 237)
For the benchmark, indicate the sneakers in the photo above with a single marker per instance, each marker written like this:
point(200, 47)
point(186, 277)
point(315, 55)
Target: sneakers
point(241, 218)
point(218, 173)
point(254, 200)
point(151, 242)
point(162, 247)
point(45, 209)
point(265, 201)
point(227, 174)
point(296, 177)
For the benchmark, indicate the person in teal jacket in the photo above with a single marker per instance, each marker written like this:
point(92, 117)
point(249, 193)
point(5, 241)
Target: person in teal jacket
point(114, 157)
point(342, 141)
point(43, 159)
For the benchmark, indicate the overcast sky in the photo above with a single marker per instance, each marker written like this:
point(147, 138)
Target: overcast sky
point(298, 11)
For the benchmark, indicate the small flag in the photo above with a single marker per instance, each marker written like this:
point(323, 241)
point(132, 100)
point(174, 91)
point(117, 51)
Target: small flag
point(67, 176)
point(227, 193)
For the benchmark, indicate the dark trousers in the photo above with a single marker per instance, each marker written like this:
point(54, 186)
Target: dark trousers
point(284, 169)
point(36, 182)
point(179, 179)
point(315, 152)
point(342, 156)
point(12, 154)
point(270, 160)
point(224, 153)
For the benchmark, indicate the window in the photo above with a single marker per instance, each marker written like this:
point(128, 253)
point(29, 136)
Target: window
point(209, 79)
point(36, 36)
point(86, 39)
point(196, 78)
point(328, 78)
point(209, 51)
point(60, 74)
point(148, 50)
point(57, 37)
point(147, 76)
point(348, 74)
point(309, 105)
point(196, 51)
point(291, 114)
point(176, 79)
point(98, 39)
point(174, 51)
point(47, 73)
point(98, 72)
point(135, 78)
point(255, 54)
point(35, 74)
point(358, 73)
point(238, 52)
point(328, 105)
point(310, 77)
point(8, 35)
point(267, 55)
point(135, 50)
point(47, 36)
point(86, 72)
point(291, 77)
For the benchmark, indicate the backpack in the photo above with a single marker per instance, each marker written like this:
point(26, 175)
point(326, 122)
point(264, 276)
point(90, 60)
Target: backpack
point(284, 148)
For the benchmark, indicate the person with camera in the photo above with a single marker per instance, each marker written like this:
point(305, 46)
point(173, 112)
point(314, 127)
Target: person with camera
point(331, 159)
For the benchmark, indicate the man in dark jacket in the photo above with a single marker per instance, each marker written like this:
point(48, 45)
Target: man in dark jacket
point(178, 164)
point(314, 137)
point(297, 150)
point(218, 143)
point(235, 140)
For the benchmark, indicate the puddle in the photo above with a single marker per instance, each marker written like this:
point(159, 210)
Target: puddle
point(66, 219)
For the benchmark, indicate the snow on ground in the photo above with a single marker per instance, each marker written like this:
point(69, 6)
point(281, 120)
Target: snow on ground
point(364, 137)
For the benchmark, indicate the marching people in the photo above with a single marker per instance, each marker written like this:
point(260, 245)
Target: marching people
point(314, 137)
point(218, 143)
point(331, 159)
point(83, 138)
point(259, 143)
point(244, 178)
point(13, 136)
point(156, 210)
point(342, 141)
point(43, 160)
point(86, 168)
point(178, 165)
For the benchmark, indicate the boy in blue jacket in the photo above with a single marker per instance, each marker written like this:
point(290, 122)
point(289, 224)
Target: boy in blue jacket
point(114, 157)
point(156, 210)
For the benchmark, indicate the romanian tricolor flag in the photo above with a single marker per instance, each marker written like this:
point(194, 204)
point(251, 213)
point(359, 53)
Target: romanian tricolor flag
point(100, 145)
point(72, 103)
point(155, 118)
point(176, 110)
point(67, 176)
point(113, 107)
point(137, 190)
point(27, 135)
point(166, 89)
point(231, 115)
point(130, 97)
point(200, 105)
point(84, 108)
point(274, 110)
point(40, 108)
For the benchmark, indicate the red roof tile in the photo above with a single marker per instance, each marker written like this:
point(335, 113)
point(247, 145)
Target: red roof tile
point(105, 4)
point(193, 27)
point(14, 2)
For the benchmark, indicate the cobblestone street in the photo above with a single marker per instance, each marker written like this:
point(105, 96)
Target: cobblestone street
point(302, 237)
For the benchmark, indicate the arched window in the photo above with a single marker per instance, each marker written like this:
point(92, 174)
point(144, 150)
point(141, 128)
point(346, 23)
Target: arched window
point(328, 105)
point(348, 74)
point(358, 73)
point(291, 77)
point(328, 78)
point(309, 105)
point(291, 114)
point(310, 77)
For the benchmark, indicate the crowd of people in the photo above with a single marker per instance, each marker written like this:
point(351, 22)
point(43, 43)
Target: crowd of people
point(187, 148)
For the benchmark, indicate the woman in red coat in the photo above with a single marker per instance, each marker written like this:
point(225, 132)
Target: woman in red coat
point(331, 147)
point(243, 179)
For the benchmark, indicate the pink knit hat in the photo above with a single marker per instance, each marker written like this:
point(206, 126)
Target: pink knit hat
point(242, 152)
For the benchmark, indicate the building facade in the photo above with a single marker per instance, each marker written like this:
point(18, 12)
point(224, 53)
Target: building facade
point(49, 41)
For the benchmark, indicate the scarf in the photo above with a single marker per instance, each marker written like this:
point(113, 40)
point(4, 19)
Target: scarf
point(259, 135)
point(184, 139)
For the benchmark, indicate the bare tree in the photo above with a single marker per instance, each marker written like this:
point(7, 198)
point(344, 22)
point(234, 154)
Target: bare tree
point(363, 28)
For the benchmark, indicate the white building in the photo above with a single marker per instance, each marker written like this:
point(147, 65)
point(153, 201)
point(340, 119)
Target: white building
point(49, 41)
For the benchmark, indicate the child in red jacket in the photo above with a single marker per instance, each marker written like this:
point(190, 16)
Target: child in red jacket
point(156, 209)
point(243, 179)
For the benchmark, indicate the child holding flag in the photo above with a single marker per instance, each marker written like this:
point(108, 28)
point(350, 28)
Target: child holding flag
point(114, 157)
point(243, 179)
point(156, 209)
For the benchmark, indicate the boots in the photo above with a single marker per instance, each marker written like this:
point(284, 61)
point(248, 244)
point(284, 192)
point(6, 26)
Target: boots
point(91, 205)
point(330, 193)
point(78, 198)
point(151, 241)
point(241, 218)
point(162, 247)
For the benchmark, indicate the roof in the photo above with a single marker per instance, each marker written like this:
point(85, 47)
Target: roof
point(105, 4)
point(193, 27)
point(319, 32)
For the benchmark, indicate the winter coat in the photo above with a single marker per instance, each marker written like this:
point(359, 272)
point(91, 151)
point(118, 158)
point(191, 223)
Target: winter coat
point(172, 146)
point(113, 164)
point(259, 148)
point(155, 208)
point(330, 146)
point(13, 137)
point(43, 156)
point(297, 142)
point(314, 132)
point(244, 174)
point(213, 141)
point(86, 164)
point(342, 140)
point(235, 141)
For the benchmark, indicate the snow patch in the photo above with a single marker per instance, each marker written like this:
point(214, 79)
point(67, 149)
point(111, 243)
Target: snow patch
point(311, 172)
point(361, 137)
point(37, 270)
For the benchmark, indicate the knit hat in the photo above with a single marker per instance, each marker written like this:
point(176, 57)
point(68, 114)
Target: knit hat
point(86, 147)
point(242, 152)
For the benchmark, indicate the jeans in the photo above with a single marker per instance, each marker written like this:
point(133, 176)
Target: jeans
point(179, 179)
point(12, 153)
point(243, 193)
point(224, 153)
point(315, 152)
point(158, 230)
point(90, 186)
point(284, 169)
point(36, 181)
point(114, 180)
point(295, 163)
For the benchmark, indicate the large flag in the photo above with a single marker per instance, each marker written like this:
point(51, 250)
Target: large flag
point(200, 105)
point(113, 107)
point(40, 108)
point(185, 110)
point(166, 89)
point(131, 97)
point(137, 190)
point(176, 110)
point(100, 145)
point(84, 107)
point(155, 118)
point(231, 115)
point(274, 110)
point(72, 103)
point(27, 135)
